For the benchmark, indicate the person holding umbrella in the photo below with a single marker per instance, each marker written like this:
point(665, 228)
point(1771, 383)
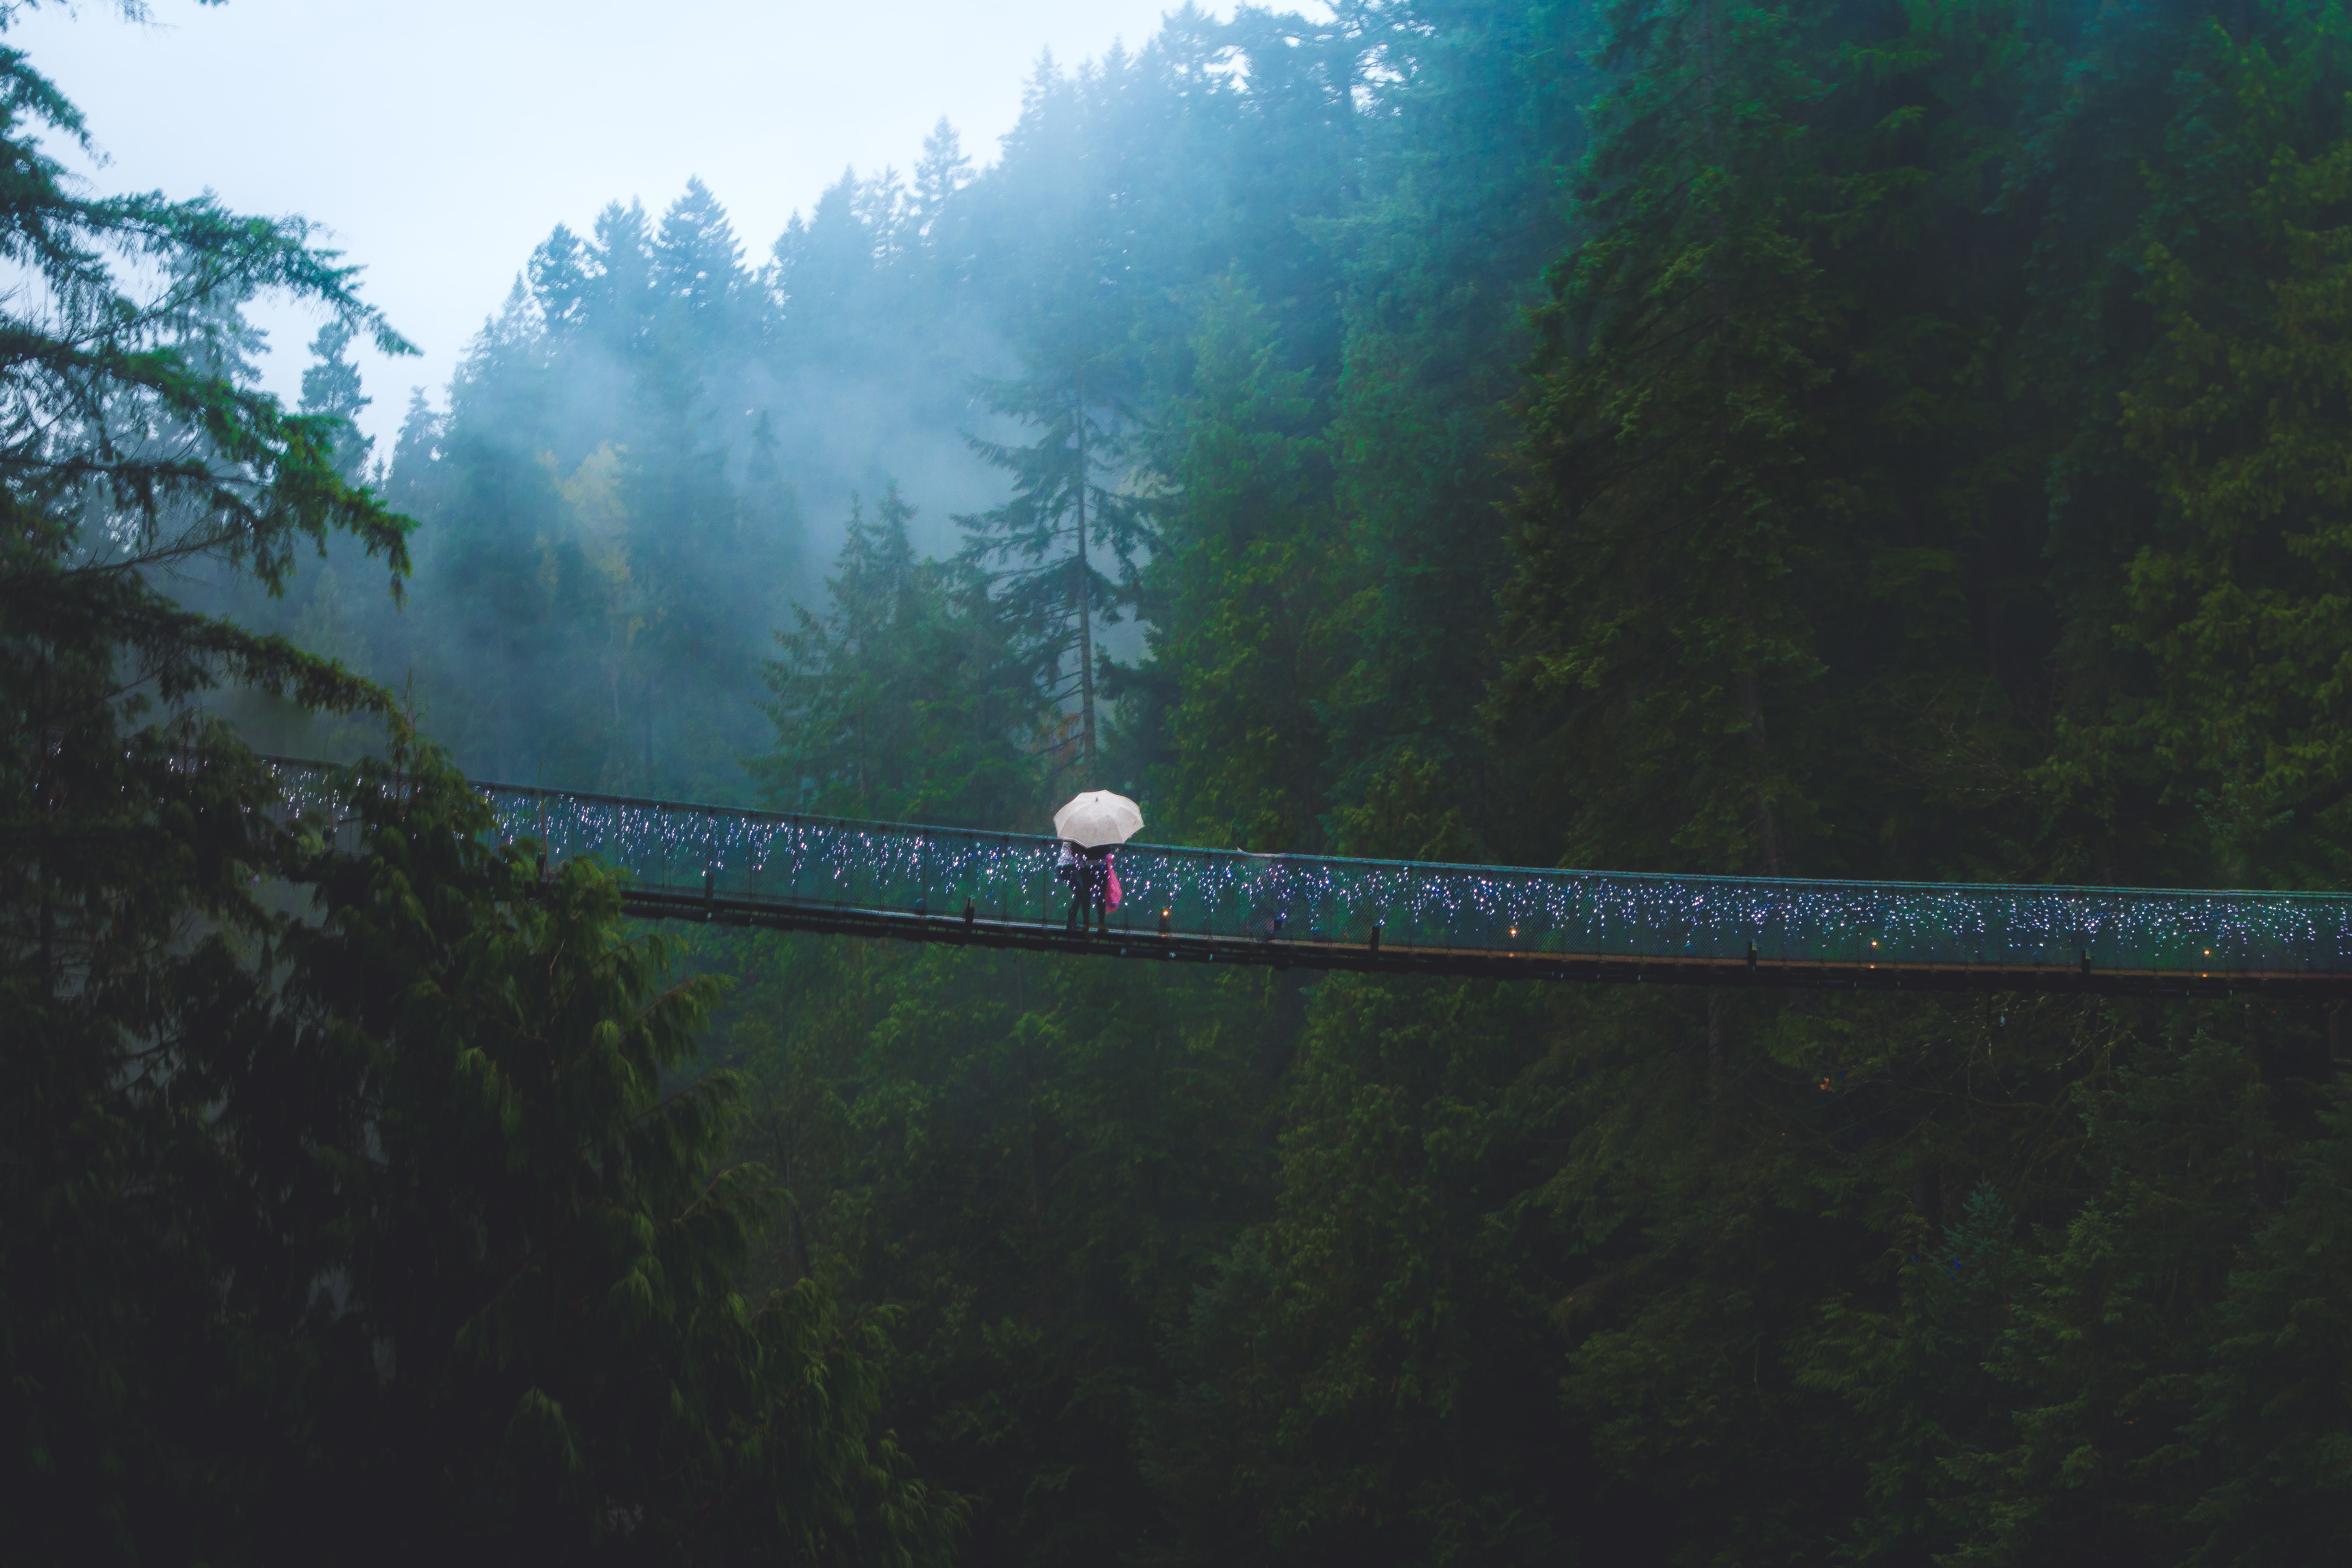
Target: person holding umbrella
point(1090, 827)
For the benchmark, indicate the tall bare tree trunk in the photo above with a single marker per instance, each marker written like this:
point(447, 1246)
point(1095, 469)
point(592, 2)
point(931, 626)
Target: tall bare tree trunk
point(1085, 619)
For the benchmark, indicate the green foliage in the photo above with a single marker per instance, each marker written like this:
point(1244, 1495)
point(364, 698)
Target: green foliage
point(345, 1195)
point(1031, 1165)
point(1920, 470)
point(1041, 541)
point(2098, 1355)
point(1763, 435)
point(2233, 610)
point(1356, 1378)
point(132, 828)
point(1887, 440)
point(907, 702)
point(331, 387)
point(1236, 589)
point(539, 1339)
point(2272, 1402)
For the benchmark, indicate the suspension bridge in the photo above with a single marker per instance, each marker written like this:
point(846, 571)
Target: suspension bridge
point(787, 872)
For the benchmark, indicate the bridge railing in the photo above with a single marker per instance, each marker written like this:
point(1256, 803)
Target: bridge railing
point(786, 859)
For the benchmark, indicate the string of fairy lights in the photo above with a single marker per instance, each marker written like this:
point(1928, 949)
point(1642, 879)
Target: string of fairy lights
point(936, 870)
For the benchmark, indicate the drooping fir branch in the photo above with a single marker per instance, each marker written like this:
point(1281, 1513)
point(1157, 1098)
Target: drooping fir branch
point(122, 446)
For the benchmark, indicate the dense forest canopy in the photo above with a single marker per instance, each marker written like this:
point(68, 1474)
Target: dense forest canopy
point(1815, 440)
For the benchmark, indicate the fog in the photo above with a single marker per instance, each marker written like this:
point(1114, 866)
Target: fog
point(647, 407)
point(436, 143)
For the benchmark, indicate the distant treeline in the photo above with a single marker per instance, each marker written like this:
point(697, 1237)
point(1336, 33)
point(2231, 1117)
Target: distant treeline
point(1900, 441)
point(646, 459)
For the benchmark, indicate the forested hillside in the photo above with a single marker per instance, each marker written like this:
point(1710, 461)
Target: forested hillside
point(1821, 440)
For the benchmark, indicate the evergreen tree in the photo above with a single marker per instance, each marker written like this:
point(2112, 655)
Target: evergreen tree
point(625, 301)
point(409, 472)
point(1679, 423)
point(537, 1337)
point(382, 1212)
point(903, 702)
point(1238, 592)
point(131, 829)
point(1039, 548)
point(697, 269)
point(823, 274)
point(562, 272)
point(2273, 1402)
point(1352, 1378)
point(330, 388)
point(1472, 120)
point(2218, 738)
point(941, 174)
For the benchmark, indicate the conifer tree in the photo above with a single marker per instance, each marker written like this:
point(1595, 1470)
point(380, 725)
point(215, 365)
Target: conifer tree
point(1040, 548)
point(698, 268)
point(1671, 524)
point(1238, 590)
point(902, 701)
point(133, 828)
point(538, 1341)
point(943, 172)
point(409, 472)
point(384, 1213)
point(623, 303)
point(562, 273)
point(330, 388)
point(822, 275)
point(2275, 1398)
point(701, 586)
point(2218, 750)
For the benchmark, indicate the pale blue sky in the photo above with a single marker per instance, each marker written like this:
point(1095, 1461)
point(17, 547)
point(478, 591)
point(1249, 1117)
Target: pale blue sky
point(440, 140)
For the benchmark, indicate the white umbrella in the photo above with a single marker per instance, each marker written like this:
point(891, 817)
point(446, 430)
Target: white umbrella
point(1098, 817)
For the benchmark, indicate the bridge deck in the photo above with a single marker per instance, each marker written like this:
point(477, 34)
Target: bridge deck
point(1123, 940)
point(1181, 905)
